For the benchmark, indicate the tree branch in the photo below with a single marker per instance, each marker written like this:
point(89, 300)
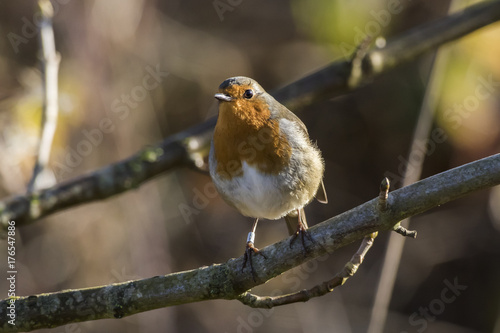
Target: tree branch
point(430, 36)
point(228, 281)
point(50, 68)
point(322, 289)
point(412, 173)
point(175, 151)
point(338, 77)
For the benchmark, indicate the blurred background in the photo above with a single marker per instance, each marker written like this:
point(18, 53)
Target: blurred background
point(149, 69)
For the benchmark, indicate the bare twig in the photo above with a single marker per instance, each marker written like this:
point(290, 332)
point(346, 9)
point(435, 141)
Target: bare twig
point(333, 79)
point(383, 194)
point(227, 281)
point(104, 183)
point(327, 82)
point(357, 62)
point(50, 68)
point(424, 38)
point(405, 232)
point(324, 288)
point(413, 171)
point(383, 205)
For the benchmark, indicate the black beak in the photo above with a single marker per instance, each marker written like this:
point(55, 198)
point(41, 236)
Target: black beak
point(223, 97)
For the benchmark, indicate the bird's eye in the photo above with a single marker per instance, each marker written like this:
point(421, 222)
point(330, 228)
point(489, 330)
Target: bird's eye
point(248, 93)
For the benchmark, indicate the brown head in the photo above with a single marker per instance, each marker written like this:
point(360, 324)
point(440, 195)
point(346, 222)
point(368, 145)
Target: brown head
point(248, 128)
point(244, 98)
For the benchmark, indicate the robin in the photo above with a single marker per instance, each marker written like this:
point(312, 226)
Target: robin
point(262, 160)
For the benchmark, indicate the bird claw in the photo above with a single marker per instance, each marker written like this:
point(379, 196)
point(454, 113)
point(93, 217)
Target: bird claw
point(303, 233)
point(249, 251)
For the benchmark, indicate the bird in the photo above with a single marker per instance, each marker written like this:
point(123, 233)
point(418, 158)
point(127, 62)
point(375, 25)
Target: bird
point(262, 161)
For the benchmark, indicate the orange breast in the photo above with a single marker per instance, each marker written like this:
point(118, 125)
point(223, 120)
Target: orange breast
point(244, 132)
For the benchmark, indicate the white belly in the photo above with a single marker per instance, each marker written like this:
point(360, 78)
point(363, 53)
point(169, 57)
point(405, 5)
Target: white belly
point(258, 195)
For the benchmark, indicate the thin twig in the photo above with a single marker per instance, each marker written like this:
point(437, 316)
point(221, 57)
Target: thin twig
point(326, 83)
point(227, 281)
point(383, 194)
point(324, 288)
point(357, 62)
point(412, 174)
point(383, 205)
point(333, 80)
point(435, 34)
point(50, 68)
point(405, 232)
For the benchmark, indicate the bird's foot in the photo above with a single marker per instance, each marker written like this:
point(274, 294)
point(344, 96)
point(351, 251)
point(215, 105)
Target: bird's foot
point(302, 231)
point(249, 252)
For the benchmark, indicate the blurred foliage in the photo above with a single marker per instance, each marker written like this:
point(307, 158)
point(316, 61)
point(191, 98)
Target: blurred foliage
point(326, 21)
point(471, 74)
point(110, 49)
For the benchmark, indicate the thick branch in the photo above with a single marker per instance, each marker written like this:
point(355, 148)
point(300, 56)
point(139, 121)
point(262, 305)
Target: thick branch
point(227, 281)
point(175, 151)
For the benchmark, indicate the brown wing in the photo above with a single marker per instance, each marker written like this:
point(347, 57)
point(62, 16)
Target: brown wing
point(287, 114)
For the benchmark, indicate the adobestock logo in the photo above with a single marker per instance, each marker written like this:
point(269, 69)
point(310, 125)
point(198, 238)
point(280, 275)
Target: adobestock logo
point(225, 6)
point(449, 294)
point(372, 28)
point(121, 107)
point(292, 280)
point(31, 28)
point(454, 117)
point(485, 88)
point(200, 201)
